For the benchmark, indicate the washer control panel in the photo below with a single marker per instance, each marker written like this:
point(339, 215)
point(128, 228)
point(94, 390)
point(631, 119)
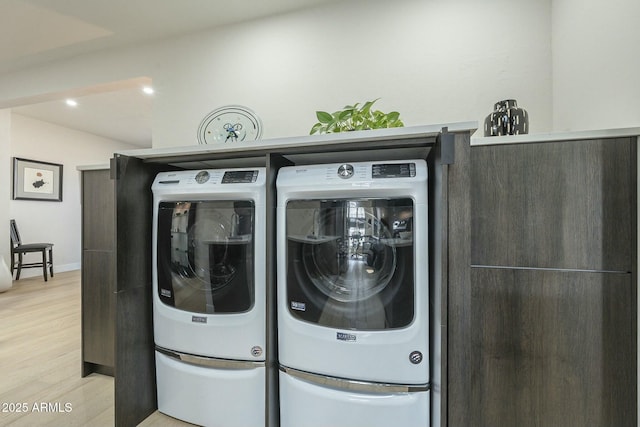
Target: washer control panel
point(393, 170)
point(198, 180)
point(378, 170)
point(352, 174)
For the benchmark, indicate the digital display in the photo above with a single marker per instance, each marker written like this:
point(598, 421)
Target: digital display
point(393, 170)
point(240, 177)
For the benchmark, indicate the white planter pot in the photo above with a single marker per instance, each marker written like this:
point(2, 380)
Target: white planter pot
point(6, 279)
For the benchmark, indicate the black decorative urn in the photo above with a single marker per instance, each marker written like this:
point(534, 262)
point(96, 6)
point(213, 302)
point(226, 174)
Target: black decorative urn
point(506, 119)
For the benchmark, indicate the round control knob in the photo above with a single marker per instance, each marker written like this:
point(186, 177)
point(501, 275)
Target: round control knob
point(345, 171)
point(415, 357)
point(202, 177)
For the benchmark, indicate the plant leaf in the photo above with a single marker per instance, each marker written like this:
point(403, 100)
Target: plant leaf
point(367, 106)
point(316, 128)
point(393, 116)
point(355, 117)
point(344, 115)
point(324, 117)
point(335, 127)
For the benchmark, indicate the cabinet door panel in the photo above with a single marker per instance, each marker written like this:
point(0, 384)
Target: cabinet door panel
point(98, 210)
point(553, 205)
point(98, 302)
point(553, 348)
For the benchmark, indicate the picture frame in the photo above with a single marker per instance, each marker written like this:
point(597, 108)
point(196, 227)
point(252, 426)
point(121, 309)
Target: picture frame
point(37, 180)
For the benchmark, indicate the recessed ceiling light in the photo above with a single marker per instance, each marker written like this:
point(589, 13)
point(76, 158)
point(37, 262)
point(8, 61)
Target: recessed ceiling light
point(148, 90)
point(72, 102)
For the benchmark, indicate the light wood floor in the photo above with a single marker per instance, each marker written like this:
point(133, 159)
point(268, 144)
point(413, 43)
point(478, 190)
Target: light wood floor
point(40, 360)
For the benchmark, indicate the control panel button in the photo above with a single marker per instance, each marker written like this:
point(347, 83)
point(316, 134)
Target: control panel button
point(345, 171)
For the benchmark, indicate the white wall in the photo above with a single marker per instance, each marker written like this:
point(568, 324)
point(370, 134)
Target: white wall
point(570, 63)
point(596, 64)
point(5, 179)
point(55, 222)
point(434, 61)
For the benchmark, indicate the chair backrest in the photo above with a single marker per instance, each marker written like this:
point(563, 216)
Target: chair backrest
point(15, 236)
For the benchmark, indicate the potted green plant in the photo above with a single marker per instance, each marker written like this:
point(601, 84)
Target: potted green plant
point(355, 117)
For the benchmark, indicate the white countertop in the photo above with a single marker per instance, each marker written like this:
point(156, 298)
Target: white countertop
point(93, 167)
point(307, 140)
point(478, 139)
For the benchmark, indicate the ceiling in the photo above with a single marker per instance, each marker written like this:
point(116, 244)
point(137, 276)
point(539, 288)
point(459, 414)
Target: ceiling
point(34, 32)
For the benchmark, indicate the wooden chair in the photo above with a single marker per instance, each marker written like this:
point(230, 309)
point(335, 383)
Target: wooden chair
point(20, 249)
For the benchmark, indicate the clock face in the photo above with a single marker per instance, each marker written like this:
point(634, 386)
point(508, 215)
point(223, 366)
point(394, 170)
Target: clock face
point(233, 123)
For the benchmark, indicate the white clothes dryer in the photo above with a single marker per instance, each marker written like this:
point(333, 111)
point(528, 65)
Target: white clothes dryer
point(353, 294)
point(209, 295)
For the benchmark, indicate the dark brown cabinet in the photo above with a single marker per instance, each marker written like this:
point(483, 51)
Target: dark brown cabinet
point(553, 205)
point(553, 348)
point(533, 273)
point(117, 337)
point(543, 319)
point(98, 272)
point(135, 387)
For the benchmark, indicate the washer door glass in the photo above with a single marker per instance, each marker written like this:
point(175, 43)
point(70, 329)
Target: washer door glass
point(205, 255)
point(350, 262)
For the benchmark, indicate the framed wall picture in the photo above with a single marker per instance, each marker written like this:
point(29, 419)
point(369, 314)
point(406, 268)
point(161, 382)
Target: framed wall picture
point(36, 180)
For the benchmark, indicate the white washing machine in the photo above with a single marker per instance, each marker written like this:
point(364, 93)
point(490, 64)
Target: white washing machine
point(353, 294)
point(209, 295)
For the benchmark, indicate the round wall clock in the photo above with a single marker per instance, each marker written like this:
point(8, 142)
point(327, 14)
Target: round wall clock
point(231, 123)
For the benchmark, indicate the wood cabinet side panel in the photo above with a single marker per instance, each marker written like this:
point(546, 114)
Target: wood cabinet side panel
point(98, 307)
point(554, 348)
point(553, 205)
point(458, 323)
point(135, 382)
point(98, 210)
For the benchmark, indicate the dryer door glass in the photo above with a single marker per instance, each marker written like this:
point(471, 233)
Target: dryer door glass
point(205, 255)
point(350, 262)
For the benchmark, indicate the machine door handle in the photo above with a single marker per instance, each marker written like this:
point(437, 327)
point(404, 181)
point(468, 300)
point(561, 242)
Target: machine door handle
point(353, 385)
point(209, 362)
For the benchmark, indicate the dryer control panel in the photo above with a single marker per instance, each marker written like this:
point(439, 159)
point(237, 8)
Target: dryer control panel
point(189, 178)
point(352, 173)
point(393, 170)
point(378, 170)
